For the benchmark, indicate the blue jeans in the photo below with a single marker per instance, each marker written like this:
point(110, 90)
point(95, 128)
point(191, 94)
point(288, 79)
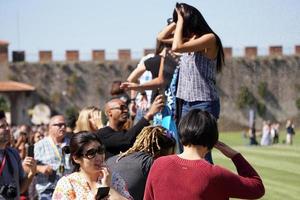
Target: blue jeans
point(213, 107)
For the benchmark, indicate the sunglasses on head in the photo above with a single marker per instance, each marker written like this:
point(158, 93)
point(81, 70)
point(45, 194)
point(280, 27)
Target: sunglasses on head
point(91, 153)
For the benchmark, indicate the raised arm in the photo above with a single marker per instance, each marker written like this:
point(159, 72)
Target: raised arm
point(153, 83)
point(29, 166)
point(166, 35)
point(206, 41)
point(132, 79)
point(247, 184)
point(137, 73)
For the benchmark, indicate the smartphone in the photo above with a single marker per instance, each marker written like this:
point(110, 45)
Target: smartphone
point(102, 192)
point(30, 151)
point(164, 97)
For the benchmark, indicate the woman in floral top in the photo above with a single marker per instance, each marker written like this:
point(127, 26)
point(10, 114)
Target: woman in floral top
point(90, 173)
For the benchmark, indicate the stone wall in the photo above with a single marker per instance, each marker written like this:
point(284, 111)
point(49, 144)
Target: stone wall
point(63, 85)
point(272, 82)
point(278, 75)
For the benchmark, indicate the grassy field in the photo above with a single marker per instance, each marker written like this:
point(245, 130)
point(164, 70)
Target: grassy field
point(278, 165)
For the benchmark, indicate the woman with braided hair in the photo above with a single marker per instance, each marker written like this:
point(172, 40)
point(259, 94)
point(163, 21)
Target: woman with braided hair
point(134, 164)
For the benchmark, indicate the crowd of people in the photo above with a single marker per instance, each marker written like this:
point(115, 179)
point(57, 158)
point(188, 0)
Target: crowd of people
point(154, 143)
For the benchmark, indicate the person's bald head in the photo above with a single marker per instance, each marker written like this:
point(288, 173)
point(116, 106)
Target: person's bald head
point(116, 111)
point(112, 103)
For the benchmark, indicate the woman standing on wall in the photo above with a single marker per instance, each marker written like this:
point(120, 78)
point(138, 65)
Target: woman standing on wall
point(202, 56)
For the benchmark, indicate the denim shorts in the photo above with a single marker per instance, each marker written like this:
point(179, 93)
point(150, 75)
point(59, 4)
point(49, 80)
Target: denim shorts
point(213, 107)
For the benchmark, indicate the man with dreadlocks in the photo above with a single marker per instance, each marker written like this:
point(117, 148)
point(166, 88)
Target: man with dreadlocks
point(134, 164)
point(113, 136)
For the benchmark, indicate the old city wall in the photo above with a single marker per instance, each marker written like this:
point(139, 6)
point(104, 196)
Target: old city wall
point(268, 84)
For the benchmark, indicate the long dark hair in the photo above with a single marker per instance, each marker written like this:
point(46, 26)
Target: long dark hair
point(195, 24)
point(77, 144)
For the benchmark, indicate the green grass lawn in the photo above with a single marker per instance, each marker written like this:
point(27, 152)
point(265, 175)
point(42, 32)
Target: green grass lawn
point(278, 165)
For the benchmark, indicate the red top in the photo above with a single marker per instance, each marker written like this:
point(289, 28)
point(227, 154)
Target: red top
point(172, 177)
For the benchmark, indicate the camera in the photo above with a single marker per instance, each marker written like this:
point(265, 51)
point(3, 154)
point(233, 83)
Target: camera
point(8, 191)
point(66, 150)
point(170, 21)
point(52, 177)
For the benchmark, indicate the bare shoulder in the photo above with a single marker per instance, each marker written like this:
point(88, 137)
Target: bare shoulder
point(209, 37)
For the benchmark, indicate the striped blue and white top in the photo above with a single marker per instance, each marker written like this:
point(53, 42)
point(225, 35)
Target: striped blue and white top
point(197, 78)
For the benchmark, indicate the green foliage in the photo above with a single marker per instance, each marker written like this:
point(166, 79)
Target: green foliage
point(261, 108)
point(71, 114)
point(71, 90)
point(298, 103)
point(12, 77)
point(72, 79)
point(75, 83)
point(245, 98)
point(4, 104)
point(262, 89)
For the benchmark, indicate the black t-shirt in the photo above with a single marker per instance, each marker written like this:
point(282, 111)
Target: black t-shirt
point(152, 64)
point(120, 141)
point(134, 168)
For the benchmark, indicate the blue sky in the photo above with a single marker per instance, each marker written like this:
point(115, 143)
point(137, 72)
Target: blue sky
point(60, 25)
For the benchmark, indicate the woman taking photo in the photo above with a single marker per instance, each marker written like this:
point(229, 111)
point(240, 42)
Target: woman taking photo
point(202, 56)
point(90, 174)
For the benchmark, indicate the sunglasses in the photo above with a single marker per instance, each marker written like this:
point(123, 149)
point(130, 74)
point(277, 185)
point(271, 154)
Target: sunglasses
point(91, 153)
point(60, 125)
point(122, 107)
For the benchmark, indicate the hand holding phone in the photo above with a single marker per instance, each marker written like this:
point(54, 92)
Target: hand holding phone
point(30, 151)
point(102, 192)
point(105, 177)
